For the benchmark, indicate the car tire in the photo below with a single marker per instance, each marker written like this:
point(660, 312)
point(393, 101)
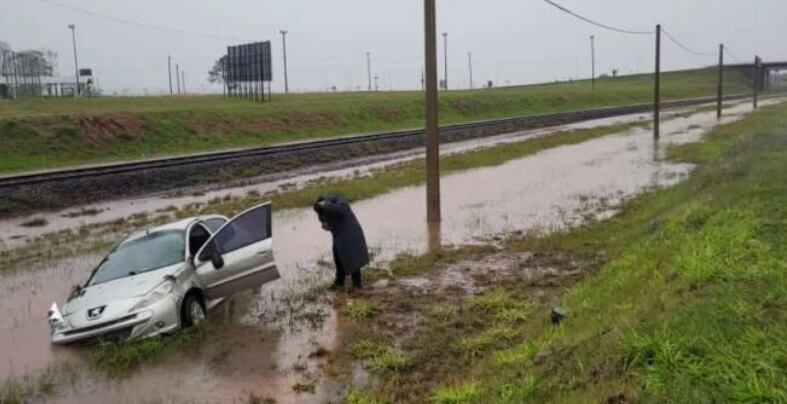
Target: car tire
point(193, 311)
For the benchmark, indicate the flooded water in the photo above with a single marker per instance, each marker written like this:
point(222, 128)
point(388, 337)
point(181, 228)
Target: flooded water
point(272, 345)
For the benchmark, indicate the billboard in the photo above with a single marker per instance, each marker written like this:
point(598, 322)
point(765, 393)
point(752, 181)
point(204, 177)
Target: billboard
point(247, 68)
point(249, 63)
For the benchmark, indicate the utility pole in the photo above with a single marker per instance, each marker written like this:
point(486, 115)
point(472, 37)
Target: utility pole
point(445, 46)
point(432, 119)
point(756, 79)
point(657, 95)
point(470, 63)
point(369, 68)
point(720, 87)
point(284, 47)
point(593, 61)
point(177, 76)
point(169, 70)
point(376, 86)
point(72, 27)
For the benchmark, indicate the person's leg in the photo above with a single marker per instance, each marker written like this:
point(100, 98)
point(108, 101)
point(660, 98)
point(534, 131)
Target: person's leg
point(357, 282)
point(340, 275)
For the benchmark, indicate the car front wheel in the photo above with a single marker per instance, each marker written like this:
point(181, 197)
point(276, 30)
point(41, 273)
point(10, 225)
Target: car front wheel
point(193, 311)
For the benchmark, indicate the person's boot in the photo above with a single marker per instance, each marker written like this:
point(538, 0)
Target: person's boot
point(357, 286)
point(336, 286)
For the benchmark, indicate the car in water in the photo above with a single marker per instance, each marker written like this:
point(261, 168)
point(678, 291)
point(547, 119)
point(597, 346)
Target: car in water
point(167, 278)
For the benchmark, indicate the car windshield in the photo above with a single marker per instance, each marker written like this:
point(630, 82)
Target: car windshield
point(144, 254)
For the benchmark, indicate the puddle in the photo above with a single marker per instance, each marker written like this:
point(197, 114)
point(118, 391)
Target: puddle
point(551, 190)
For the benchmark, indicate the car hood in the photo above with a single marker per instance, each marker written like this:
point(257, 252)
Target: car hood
point(117, 297)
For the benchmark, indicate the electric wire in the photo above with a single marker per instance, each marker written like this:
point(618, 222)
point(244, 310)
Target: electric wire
point(686, 48)
point(596, 23)
point(733, 57)
point(142, 24)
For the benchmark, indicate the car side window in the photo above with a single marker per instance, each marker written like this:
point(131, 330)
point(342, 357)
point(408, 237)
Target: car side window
point(215, 223)
point(252, 227)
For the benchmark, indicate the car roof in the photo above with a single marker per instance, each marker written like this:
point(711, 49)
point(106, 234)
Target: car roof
point(182, 225)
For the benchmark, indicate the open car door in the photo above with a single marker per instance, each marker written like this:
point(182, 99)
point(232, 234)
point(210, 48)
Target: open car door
point(239, 256)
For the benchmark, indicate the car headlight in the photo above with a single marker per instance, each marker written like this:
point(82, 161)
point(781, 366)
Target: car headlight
point(160, 292)
point(56, 321)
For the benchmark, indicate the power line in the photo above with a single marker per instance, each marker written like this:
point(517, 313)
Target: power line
point(598, 24)
point(727, 51)
point(141, 24)
point(686, 48)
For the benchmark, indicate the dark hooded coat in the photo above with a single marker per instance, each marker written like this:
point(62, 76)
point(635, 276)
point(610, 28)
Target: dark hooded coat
point(349, 243)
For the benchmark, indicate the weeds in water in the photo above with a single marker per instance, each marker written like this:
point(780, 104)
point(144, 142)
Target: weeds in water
point(36, 222)
point(464, 394)
point(121, 359)
point(380, 357)
point(360, 309)
point(357, 396)
point(304, 387)
point(36, 388)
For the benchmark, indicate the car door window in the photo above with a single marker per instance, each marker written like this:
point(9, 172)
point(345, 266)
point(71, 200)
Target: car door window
point(214, 224)
point(249, 228)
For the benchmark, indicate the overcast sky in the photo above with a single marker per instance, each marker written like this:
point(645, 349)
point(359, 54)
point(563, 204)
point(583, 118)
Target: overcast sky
point(512, 41)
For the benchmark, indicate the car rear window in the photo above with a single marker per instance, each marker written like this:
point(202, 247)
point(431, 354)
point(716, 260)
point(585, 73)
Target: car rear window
point(144, 254)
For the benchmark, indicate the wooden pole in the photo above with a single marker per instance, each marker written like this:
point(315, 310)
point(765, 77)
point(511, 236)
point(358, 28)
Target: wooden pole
point(720, 89)
point(756, 79)
point(593, 61)
point(432, 119)
point(657, 95)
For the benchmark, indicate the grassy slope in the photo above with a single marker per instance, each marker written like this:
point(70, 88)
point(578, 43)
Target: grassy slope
point(690, 306)
point(37, 134)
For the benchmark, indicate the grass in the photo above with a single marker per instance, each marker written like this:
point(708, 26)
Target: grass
point(380, 357)
point(121, 359)
point(360, 310)
point(38, 134)
point(687, 301)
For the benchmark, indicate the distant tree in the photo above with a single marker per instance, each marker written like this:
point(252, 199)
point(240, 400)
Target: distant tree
point(490, 84)
point(216, 73)
point(614, 73)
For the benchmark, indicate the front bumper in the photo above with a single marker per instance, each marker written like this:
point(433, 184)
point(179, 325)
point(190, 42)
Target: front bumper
point(159, 318)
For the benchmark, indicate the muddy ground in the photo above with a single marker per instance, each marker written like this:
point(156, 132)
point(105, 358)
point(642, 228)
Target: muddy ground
point(291, 341)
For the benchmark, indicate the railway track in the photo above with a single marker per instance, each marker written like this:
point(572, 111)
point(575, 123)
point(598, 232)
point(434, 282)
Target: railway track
point(518, 123)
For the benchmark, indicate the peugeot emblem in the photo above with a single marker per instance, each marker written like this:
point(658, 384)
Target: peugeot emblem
point(95, 313)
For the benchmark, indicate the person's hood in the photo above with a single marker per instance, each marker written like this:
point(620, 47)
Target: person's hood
point(113, 299)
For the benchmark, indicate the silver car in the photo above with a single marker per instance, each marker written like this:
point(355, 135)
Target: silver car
point(166, 278)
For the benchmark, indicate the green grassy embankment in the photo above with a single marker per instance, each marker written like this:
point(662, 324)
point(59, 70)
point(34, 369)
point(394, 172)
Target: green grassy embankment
point(683, 299)
point(38, 134)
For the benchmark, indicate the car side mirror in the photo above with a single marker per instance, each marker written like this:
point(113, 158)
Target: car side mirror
point(217, 260)
point(210, 253)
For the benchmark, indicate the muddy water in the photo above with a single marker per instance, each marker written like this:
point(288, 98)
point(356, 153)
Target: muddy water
point(550, 190)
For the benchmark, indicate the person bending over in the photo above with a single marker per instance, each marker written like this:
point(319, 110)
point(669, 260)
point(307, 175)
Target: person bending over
point(350, 253)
